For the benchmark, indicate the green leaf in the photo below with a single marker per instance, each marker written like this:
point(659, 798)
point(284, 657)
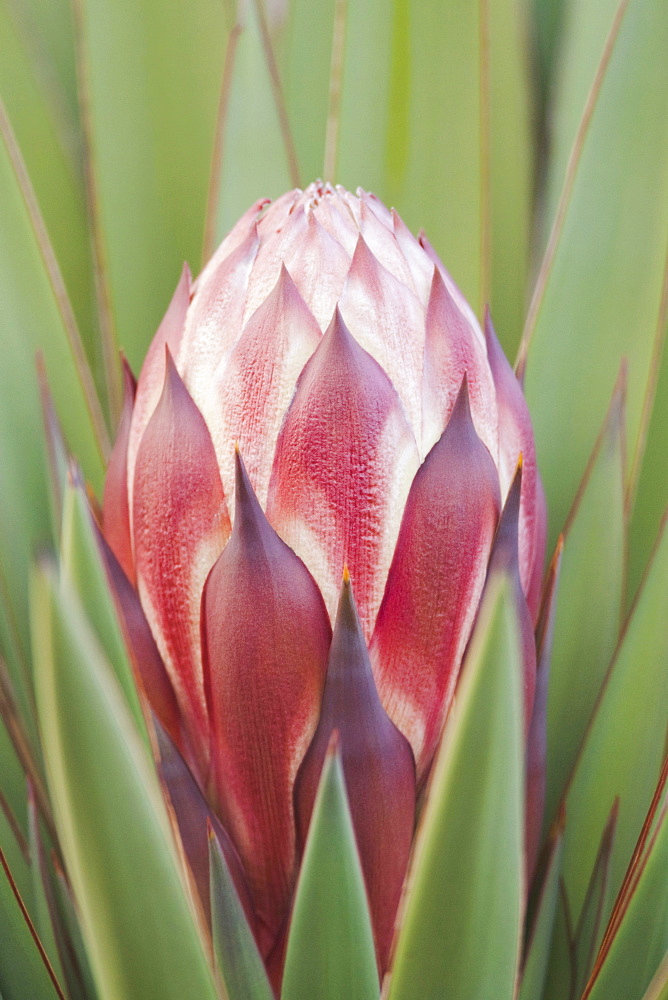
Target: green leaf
point(511, 167)
point(598, 294)
point(542, 923)
point(237, 957)
point(651, 497)
point(415, 134)
point(254, 161)
point(624, 748)
point(304, 46)
point(24, 968)
point(466, 882)
point(113, 829)
point(330, 953)
point(589, 603)
point(33, 316)
point(16, 851)
point(47, 130)
point(42, 890)
point(658, 988)
point(598, 900)
point(641, 939)
point(435, 119)
point(151, 77)
point(584, 30)
point(82, 567)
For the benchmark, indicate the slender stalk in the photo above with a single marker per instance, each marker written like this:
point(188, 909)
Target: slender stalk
point(335, 90)
point(279, 97)
point(213, 197)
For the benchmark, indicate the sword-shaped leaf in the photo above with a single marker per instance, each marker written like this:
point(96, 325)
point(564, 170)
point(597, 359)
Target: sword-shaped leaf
point(589, 603)
point(598, 295)
point(624, 747)
point(466, 885)
point(330, 951)
point(238, 960)
point(139, 930)
point(24, 968)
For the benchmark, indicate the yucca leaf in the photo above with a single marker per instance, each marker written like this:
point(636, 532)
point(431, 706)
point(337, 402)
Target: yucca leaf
point(658, 988)
point(304, 48)
point(651, 497)
point(511, 166)
point(622, 753)
point(598, 294)
point(16, 849)
point(139, 930)
point(584, 30)
point(42, 890)
point(46, 125)
point(34, 315)
point(237, 957)
point(466, 881)
point(589, 602)
point(449, 99)
point(537, 949)
point(24, 967)
point(598, 901)
point(151, 75)
point(82, 567)
point(640, 940)
point(330, 951)
point(436, 49)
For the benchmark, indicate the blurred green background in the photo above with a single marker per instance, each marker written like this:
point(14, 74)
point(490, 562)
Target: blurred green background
point(529, 138)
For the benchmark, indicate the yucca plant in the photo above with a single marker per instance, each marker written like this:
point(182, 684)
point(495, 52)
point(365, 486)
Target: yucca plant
point(334, 658)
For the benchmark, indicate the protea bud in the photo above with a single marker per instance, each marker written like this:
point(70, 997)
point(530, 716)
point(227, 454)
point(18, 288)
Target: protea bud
point(377, 434)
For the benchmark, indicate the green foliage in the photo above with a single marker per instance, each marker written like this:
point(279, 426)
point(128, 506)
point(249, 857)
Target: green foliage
point(530, 139)
point(330, 906)
point(467, 875)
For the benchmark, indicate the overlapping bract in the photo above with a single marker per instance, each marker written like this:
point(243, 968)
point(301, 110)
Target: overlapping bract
point(321, 404)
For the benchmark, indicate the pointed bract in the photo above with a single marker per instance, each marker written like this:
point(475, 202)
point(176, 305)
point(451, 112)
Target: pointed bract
point(257, 381)
point(152, 375)
point(266, 636)
point(181, 525)
point(505, 557)
point(515, 438)
point(344, 461)
point(378, 766)
point(435, 582)
point(194, 818)
point(452, 350)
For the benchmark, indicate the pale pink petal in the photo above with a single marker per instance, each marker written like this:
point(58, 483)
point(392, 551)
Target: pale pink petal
point(334, 214)
point(452, 286)
point(318, 265)
point(278, 245)
point(239, 233)
point(180, 527)
point(387, 319)
point(344, 462)
point(435, 581)
point(152, 375)
point(451, 351)
point(421, 265)
point(214, 319)
point(257, 381)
